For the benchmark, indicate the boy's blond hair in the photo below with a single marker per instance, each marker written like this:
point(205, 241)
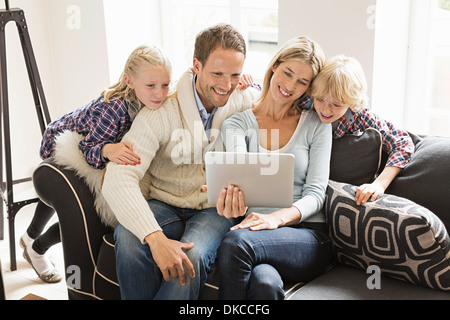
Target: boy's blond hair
point(343, 78)
point(300, 49)
point(150, 55)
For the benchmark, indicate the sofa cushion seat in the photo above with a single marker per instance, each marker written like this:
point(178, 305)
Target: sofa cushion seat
point(347, 283)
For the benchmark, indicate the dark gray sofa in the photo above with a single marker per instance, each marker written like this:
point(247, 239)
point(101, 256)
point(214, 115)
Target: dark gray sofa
point(89, 245)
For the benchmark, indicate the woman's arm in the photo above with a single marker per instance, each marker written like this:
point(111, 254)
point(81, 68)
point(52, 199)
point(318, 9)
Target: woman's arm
point(316, 171)
point(316, 180)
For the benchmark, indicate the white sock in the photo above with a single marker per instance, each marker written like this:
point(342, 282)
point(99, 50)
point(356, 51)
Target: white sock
point(41, 262)
point(27, 239)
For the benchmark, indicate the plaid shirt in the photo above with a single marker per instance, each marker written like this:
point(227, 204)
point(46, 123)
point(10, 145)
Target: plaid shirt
point(396, 142)
point(99, 122)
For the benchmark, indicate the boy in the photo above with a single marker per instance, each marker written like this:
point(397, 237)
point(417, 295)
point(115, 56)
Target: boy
point(340, 98)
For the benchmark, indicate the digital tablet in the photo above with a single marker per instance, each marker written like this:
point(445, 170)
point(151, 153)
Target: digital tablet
point(266, 179)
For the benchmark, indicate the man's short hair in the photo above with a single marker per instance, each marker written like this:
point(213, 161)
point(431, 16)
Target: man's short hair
point(220, 35)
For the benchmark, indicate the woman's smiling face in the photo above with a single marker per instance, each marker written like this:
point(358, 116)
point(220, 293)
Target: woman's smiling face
point(290, 80)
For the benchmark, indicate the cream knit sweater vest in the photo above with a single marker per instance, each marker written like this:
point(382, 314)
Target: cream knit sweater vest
point(171, 142)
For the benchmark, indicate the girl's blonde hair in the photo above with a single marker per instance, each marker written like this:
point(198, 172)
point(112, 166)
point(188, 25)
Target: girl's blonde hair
point(343, 78)
point(301, 49)
point(151, 55)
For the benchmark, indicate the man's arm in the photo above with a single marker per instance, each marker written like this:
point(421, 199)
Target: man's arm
point(122, 192)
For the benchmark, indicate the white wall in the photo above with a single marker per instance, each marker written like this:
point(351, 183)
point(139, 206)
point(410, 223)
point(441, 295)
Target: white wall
point(339, 26)
point(391, 59)
point(69, 43)
point(129, 24)
point(25, 130)
point(79, 51)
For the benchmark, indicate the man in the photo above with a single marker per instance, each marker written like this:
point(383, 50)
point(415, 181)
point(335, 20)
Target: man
point(165, 246)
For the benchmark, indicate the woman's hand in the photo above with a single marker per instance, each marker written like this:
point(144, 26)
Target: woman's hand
point(257, 221)
point(121, 153)
point(230, 203)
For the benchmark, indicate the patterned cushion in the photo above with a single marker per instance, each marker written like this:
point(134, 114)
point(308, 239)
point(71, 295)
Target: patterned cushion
point(406, 240)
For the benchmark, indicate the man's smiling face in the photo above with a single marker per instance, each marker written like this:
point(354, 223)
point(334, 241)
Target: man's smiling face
point(218, 77)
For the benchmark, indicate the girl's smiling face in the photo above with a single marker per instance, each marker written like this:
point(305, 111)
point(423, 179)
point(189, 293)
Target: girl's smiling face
point(151, 85)
point(329, 109)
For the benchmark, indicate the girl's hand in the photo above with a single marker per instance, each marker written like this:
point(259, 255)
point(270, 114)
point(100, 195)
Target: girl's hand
point(121, 153)
point(245, 81)
point(257, 221)
point(230, 203)
point(368, 192)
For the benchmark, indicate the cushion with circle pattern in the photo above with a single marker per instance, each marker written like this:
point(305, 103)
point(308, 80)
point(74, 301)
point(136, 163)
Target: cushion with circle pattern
point(406, 240)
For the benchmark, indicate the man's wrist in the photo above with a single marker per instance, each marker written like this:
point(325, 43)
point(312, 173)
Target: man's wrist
point(154, 237)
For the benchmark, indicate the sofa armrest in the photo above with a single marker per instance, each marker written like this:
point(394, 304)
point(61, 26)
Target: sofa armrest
point(81, 227)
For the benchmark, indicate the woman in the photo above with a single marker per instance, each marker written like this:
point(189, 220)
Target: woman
point(286, 243)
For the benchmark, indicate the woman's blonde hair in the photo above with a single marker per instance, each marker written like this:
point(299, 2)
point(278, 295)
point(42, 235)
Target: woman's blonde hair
point(301, 49)
point(343, 78)
point(151, 55)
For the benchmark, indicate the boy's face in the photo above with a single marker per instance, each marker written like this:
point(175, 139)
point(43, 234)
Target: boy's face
point(218, 77)
point(329, 109)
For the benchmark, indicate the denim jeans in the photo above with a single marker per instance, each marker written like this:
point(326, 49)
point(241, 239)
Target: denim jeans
point(138, 275)
point(253, 264)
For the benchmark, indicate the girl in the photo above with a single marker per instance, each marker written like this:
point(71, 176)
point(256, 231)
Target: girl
point(287, 243)
point(340, 98)
point(103, 122)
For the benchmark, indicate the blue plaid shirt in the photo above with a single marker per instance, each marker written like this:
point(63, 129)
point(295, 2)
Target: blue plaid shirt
point(99, 122)
point(396, 142)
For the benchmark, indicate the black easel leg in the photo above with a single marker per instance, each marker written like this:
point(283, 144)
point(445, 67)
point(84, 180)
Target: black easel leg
point(8, 167)
point(33, 73)
point(4, 102)
point(12, 207)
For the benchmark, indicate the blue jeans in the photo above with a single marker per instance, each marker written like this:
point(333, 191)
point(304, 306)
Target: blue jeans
point(138, 275)
point(253, 264)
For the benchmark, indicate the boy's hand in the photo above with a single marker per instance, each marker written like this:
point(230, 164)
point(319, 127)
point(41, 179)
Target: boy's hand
point(368, 192)
point(121, 153)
